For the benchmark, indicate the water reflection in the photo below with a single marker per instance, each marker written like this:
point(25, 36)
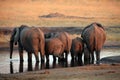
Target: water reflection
point(14, 66)
point(56, 65)
point(76, 63)
point(39, 66)
point(21, 67)
point(36, 66)
point(11, 67)
point(30, 68)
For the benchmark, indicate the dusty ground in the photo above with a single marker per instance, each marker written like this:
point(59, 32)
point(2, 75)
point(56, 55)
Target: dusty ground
point(18, 12)
point(90, 72)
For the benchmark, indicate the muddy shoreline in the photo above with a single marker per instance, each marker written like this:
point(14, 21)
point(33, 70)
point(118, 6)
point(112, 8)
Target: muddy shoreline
point(108, 70)
point(89, 72)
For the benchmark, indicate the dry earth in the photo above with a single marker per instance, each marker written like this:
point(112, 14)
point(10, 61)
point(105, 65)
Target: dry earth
point(17, 12)
point(90, 72)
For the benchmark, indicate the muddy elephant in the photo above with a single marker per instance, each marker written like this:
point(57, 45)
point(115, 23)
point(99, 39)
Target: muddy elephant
point(94, 37)
point(30, 39)
point(77, 49)
point(65, 38)
point(53, 46)
point(67, 41)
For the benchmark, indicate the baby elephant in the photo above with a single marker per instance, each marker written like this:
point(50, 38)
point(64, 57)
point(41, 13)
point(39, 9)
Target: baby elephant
point(55, 47)
point(77, 49)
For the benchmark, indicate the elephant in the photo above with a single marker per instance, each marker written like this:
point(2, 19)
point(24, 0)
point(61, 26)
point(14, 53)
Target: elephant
point(86, 55)
point(30, 39)
point(94, 37)
point(77, 49)
point(67, 41)
point(53, 46)
point(65, 38)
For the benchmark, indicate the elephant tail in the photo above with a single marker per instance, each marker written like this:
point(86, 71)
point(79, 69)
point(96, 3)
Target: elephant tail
point(11, 49)
point(68, 42)
point(41, 42)
point(94, 39)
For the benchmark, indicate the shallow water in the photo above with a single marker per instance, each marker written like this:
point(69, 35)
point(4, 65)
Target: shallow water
point(13, 65)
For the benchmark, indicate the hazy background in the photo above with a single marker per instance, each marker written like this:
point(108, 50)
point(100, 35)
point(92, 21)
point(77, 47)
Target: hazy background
point(74, 15)
point(16, 12)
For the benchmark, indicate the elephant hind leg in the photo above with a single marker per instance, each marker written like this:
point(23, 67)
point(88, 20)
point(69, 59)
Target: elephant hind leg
point(42, 53)
point(80, 62)
point(36, 56)
point(61, 58)
point(54, 58)
point(29, 57)
point(72, 55)
point(47, 57)
point(21, 56)
point(42, 57)
point(98, 57)
point(66, 55)
point(92, 56)
point(21, 53)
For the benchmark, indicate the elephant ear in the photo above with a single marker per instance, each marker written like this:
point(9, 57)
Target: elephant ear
point(16, 36)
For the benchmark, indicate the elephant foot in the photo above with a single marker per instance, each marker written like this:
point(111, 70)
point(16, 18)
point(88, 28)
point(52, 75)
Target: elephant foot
point(21, 60)
point(29, 60)
point(54, 60)
point(47, 60)
point(37, 61)
point(42, 60)
point(61, 60)
point(98, 63)
point(65, 59)
point(80, 63)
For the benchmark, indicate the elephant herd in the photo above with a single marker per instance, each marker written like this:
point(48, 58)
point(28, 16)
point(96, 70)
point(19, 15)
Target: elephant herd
point(33, 40)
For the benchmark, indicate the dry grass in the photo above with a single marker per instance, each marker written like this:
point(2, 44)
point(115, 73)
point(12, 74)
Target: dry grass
point(113, 33)
point(15, 13)
point(18, 12)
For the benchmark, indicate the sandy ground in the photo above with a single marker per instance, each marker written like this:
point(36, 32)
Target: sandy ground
point(89, 72)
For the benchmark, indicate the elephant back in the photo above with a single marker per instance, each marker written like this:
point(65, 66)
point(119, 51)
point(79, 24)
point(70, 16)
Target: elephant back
point(100, 37)
point(54, 46)
point(66, 40)
point(94, 36)
point(32, 39)
point(77, 45)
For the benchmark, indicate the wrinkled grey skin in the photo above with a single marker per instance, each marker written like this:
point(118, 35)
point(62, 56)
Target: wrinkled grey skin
point(30, 39)
point(65, 38)
point(55, 47)
point(94, 37)
point(77, 49)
